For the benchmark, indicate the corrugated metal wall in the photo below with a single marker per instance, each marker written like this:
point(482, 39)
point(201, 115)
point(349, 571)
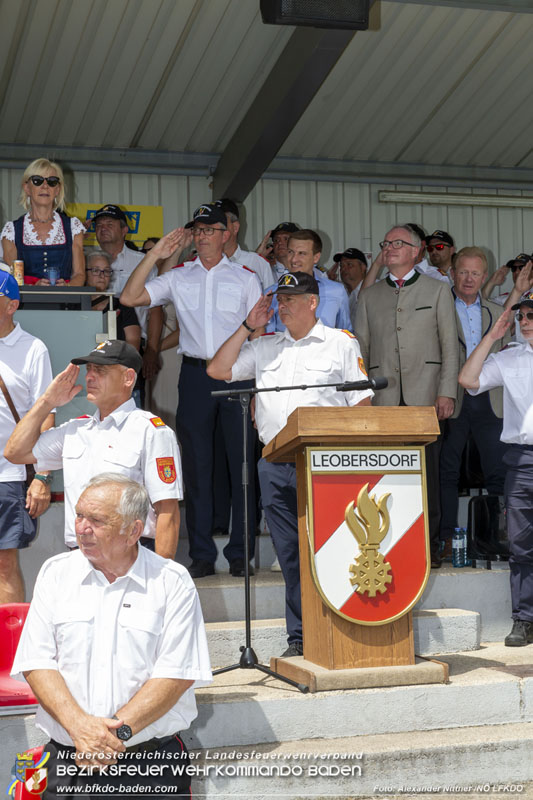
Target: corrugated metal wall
point(346, 214)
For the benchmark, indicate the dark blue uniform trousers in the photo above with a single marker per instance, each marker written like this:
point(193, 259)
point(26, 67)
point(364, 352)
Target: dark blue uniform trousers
point(196, 420)
point(478, 418)
point(278, 494)
point(519, 505)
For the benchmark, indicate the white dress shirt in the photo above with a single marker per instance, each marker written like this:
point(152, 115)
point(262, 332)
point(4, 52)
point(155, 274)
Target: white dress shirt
point(210, 303)
point(512, 368)
point(25, 368)
point(255, 262)
point(324, 355)
point(108, 639)
point(123, 265)
point(129, 440)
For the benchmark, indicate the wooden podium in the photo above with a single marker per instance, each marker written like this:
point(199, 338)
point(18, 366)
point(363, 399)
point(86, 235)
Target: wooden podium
point(330, 640)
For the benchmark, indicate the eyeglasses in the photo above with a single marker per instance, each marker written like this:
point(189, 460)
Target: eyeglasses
point(38, 180)
point(528, 315)
point(439, 246)
point(96, 271)
point(396, 244)
point(207, 231)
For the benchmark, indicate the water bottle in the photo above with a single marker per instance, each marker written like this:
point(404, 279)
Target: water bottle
point(459, 548)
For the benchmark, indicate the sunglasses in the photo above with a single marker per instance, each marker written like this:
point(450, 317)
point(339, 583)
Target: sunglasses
point(38, 180)
point(439, 246)
point(517, 266)
point(528, 315)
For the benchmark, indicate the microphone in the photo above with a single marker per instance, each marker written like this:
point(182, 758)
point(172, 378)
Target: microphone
point(371, 383)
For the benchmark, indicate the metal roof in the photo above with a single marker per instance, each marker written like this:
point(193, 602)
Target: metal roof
point(428, 85)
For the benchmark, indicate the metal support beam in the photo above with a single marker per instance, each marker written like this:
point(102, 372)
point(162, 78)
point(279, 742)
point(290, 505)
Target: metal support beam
point(511, 6)
point(307, 59)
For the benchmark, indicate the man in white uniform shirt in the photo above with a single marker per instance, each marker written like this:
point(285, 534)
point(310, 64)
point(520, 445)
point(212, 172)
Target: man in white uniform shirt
point(512, 368)
point(234, 251)
point(113, 643)
point(212, 295)
point(26, 372)
point(119, 437)
point(306, 352)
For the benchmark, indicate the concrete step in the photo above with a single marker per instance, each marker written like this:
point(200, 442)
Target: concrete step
point(485, 592)
point(263, 557)
point(493, 760)
point(491, 686)
point(435, 631)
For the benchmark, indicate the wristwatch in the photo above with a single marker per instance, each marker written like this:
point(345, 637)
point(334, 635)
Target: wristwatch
point(47, 479)
point(248, 328)
point(124, 732)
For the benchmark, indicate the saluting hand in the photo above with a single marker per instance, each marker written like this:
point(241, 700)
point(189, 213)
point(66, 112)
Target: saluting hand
point(261, 313)
point(63, 388)
point(179, 238)
point(501, 326)
point(524, 280)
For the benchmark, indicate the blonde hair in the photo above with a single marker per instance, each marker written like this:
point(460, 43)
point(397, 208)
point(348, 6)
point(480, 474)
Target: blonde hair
point(37, 167)
point(472, 252)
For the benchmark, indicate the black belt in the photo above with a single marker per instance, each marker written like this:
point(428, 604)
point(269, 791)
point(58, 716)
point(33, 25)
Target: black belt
point(522, 446)
point(196, 362)
point(142, 747)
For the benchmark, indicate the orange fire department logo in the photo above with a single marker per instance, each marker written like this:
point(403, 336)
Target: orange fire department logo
point(166, 469)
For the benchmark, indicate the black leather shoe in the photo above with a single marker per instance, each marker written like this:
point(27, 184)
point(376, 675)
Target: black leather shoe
point(521, 634)
point(236, 568)
point(294, 649)
point(200, 568)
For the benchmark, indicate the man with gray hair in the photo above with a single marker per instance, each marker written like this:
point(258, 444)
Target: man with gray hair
point(113, 643)
point(406, 329)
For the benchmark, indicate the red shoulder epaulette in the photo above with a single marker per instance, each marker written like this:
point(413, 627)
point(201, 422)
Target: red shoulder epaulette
point(348, 333)
point(248, 268)
point(268, 333)
point(84, 416)
point(179, 265)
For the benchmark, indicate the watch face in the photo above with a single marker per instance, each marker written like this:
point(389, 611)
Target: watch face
point(124, 733)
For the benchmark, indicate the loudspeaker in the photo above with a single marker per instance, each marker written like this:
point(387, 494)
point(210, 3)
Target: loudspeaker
point(341, 14)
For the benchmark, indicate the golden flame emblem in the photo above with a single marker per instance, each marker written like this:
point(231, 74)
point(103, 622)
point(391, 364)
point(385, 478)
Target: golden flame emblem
point(369, 522)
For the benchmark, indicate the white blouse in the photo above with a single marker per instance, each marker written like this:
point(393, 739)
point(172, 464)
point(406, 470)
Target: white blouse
point(55, 234)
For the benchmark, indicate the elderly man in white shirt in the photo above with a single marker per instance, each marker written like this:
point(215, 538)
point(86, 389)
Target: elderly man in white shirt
point(113, 643)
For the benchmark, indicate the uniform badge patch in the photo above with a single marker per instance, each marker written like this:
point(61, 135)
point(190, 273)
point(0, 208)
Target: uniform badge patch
point(166, 469)
point(362, 366)
point(348, 333)
point(157, 422)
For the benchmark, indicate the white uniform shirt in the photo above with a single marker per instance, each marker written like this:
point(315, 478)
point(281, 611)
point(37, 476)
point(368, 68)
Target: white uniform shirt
point(129, 440)
point(25, 368)
point(123, 265)
point(324, 355)
point(512, 368)
point(210, 303)
point(255, 262)
point(425, 268)
point(108, 639)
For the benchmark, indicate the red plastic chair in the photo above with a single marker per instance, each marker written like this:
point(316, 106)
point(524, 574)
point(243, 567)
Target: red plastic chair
point(12, 692)
point(21, 792)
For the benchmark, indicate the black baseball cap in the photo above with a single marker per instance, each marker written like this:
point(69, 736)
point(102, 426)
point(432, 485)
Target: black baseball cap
point(210, 213)
point(112, 351)
point(519, 261)
point(115, 212)
point(285, 227)
point(442, 236)
point(228, 206)
point(526, 300)
point(351, 252)
point(297, 283)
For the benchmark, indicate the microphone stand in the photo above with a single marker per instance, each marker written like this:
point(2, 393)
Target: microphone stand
point(248, 658)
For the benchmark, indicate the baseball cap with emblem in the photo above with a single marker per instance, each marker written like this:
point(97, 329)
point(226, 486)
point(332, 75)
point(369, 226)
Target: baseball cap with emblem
point(8, 285)
point(228, 206)
point(442, 236)
point(112, 351)
point(525, 300)
point(109, 210)
point(297, 283)
point(351, 252)
point(285, 227)
point(520, 261)
point(210, 213)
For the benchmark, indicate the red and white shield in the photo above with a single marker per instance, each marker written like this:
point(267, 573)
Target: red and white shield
point(403, 564)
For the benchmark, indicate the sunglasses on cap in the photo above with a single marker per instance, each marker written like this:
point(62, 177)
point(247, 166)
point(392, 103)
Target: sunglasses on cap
point(439, 246)
point(38, 180)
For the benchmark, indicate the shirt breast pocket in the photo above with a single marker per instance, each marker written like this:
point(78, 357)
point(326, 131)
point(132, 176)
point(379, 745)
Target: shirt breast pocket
point(229, 297)
point(74, 450)
point(139, 633)
point(189, 297)
point(74, 626)
point(327, 368)
point(119, 459)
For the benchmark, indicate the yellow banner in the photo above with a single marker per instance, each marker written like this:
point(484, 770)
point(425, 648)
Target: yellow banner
point(143, 221)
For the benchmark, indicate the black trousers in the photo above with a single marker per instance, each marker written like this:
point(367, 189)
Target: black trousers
point(141, 775)
point(519, 506)
point(478, 418)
